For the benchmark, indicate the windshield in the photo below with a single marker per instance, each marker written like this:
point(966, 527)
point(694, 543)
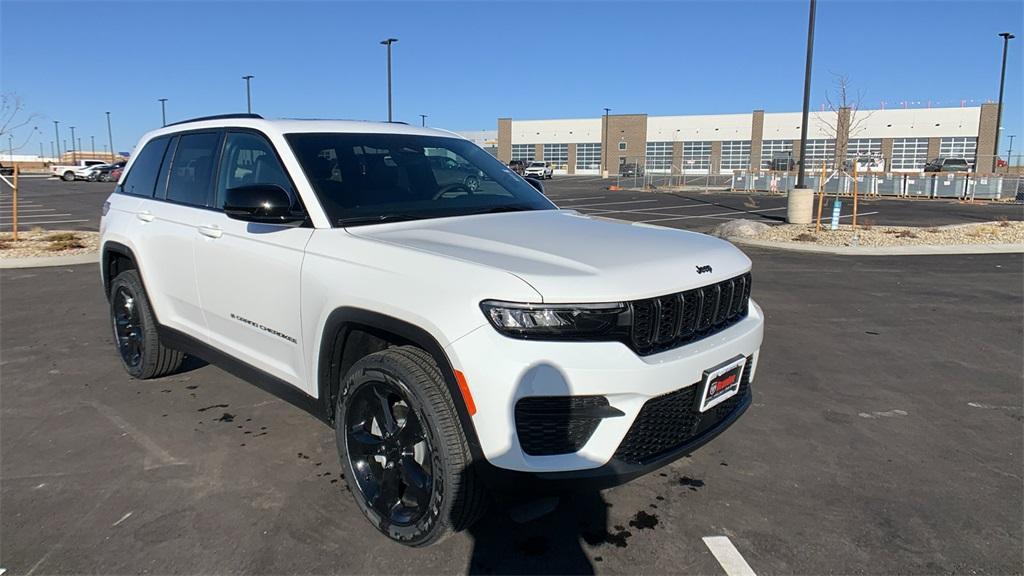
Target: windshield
point(372, 178)
point(536, 164)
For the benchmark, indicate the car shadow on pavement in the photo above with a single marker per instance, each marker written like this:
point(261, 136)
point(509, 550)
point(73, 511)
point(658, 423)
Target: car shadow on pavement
point(550, 544)
point(536, 528)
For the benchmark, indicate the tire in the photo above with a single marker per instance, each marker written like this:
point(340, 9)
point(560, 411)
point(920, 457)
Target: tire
point(409, 469)
point(135, 335)
point(68, 176)
point(472, 184)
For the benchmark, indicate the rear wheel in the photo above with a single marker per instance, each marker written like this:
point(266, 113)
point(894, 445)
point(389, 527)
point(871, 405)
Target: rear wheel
point(403, 451)
point(142, 353)
point(68, 176)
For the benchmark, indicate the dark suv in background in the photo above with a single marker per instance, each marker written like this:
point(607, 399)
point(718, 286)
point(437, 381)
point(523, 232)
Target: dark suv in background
point(948, 165)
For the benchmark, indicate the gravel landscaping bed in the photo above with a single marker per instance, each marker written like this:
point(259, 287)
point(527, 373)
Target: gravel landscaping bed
point(1008, 232)
point(48, 243)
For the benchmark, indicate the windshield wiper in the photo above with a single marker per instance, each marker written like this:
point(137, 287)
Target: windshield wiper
point(505, 208)
point(377, 219)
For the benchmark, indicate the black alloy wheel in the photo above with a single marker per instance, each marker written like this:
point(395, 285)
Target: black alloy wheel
point(390, 453)
point(128, 329)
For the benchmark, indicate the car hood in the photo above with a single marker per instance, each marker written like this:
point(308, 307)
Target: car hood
point(569, 257)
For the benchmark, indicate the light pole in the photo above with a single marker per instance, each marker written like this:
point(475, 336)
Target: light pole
point(1009, 153)
point(388, 43)
point(79, 149)
point(41, 156)
point(423, 119)
point(807, 97)
point(53, 150)
point(10, 148)
point(999, 107)
point(74, 149)
point(110, 137)
point(56, 132)
point(92, 140)
point(163, 111)
point(604, 145)
point(248, 92)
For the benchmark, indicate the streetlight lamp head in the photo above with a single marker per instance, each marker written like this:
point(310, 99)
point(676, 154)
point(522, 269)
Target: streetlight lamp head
point(1007, 35)
point(389, 41)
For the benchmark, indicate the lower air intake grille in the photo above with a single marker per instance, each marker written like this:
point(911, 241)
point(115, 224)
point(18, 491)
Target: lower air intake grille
point(669, 421)
point(549, 425)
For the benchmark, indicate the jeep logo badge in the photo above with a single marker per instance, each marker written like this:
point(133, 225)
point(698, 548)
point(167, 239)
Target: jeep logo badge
point(703, 269)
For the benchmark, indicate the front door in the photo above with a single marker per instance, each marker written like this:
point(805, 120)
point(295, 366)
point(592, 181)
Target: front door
point(248, 273)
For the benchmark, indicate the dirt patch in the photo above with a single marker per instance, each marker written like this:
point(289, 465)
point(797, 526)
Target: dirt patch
point(1003, 232)
point(48, 243)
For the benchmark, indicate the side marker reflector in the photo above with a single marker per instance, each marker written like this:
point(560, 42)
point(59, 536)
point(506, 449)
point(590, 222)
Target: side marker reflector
point(466, 396)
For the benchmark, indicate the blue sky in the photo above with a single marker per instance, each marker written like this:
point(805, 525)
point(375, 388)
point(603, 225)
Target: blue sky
point(465, 64)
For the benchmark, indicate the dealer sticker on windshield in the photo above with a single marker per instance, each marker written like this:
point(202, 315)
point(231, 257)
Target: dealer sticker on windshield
point(722, 382)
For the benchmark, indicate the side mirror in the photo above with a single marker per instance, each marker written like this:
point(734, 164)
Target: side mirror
point(262, 203)
point(536, 184)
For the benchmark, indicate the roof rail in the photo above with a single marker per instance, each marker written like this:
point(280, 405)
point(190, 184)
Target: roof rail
point(218, 117)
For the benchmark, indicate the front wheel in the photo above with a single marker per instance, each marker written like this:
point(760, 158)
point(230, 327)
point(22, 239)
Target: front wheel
point(404, 453)
point(142, 353)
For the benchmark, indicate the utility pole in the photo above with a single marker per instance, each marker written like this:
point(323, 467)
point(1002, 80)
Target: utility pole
point(999, 108)
point(807, 96)
point(56, 132)
point(604, 145)
point(163, 111)
point(110, 138)
point(248, 92)
point(423, 119)
point(74, 149)
point(388, 43)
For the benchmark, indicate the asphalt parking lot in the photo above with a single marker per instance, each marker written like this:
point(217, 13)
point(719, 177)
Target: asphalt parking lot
point(53, 204)
point(884, 437)
point(702, 211)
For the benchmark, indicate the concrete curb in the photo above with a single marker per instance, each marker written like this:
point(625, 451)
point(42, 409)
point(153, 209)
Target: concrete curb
point(919, 250)
point(44, 261)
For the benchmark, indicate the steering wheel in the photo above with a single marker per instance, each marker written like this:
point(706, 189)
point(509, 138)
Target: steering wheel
point(450, 188)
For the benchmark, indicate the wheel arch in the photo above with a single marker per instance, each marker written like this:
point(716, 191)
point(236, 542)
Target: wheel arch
point(337, 336)
point(116, 258)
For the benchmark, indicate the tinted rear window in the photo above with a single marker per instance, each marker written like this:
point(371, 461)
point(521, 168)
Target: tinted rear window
point(191, 177)
point(141, 179)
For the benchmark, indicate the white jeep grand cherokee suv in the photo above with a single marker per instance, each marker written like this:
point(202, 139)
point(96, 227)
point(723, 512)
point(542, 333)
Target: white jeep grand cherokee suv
point(454, 337)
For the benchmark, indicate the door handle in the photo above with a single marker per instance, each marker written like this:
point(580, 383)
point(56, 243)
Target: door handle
point(210, 231)
point(145, 216)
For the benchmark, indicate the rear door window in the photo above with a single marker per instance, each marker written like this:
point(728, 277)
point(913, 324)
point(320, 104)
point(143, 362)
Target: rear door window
point(141, 179)
point(191, 173)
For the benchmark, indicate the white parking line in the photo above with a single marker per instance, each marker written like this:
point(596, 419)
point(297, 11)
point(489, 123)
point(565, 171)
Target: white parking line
point(20, 217)
point(8, 224)
point(612, 203)
point(571, 199)
point(32, 209)
point(639, 211)
point(728, 556)
point(734, 212)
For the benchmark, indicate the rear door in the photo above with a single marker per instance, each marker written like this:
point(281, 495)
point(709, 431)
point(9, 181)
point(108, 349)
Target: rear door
point(248, 273)
point(184, 194)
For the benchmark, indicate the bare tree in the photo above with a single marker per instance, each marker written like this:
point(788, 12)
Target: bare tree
point(13, 117)
point(846, 119)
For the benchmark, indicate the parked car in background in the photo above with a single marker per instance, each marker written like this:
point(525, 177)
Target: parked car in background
point(631, 169)
point(6, 170)
point(450, 172)
point(947, 165)
point(115, 174)
point(518, 166)
point(102, 172)
point(67, 171)
point(539, 169)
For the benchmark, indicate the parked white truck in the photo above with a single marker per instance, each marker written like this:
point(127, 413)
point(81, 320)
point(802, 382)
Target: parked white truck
point(67, 171)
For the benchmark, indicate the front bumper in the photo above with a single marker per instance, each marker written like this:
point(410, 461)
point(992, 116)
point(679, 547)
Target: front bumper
point(500, 371)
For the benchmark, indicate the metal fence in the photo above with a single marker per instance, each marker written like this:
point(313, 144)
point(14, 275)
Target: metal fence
point(927, 185)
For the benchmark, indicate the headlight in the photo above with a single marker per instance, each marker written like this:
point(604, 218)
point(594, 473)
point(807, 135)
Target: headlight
point(606, 321)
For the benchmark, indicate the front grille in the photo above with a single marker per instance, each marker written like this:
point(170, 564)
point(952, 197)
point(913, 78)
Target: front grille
point(668, 322)
point(549, 425)
point(671, 420)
